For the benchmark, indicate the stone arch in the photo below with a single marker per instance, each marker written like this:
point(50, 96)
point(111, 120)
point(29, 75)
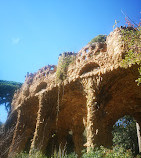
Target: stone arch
point(40, 87)
point(60, 110)
point(46, 117)
point(88, 68)
point(71, 116)
point(24, 127)
point(118, 95)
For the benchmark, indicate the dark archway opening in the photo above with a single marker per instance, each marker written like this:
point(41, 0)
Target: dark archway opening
point(54, 148)
point(28, 144)
point(70, 144)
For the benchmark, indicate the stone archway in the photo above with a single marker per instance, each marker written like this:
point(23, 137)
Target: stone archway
point(118, 95)
point(61, 110)
point(72, 116)
point(95, 93)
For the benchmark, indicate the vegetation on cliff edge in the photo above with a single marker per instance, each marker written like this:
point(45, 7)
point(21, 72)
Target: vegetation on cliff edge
point(131, 37)
point(99, 38)
point(64, 61)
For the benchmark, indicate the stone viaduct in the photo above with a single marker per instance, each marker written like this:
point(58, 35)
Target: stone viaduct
point(78, 112)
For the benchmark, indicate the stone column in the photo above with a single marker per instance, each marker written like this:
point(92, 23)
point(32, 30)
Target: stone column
point(21, 134)
point(6, 134)
point(99, 132)
point(137, 117)
point(139, 136)
point(42, 132)
point(91, 109)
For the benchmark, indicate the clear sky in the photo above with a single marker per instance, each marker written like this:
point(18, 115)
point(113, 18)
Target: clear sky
point(34, 32)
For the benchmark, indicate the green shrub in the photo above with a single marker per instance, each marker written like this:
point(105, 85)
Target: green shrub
point(35, 154)
point(63, 63)
point(97, 152)
point(22, 155)
point(117, 152)
point(72, 155)
point(101, 152)
point(132, 46)
point(99, 38)
point(125, 134)
point(64, 155)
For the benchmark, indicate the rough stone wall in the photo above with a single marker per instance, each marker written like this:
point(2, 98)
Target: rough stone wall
point(80, 111)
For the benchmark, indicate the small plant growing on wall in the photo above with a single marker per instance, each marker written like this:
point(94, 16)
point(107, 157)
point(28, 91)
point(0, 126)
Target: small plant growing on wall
point(64, 61)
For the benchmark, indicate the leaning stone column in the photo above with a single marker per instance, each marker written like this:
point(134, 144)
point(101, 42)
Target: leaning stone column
point(45, 121)
point(91, 108)
point(41, 136)
point(21, 134)
point(15, 134)
point(139, 136)
point(137, 117)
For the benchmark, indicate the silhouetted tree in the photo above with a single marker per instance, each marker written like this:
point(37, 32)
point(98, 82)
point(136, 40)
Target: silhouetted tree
point(7, 89)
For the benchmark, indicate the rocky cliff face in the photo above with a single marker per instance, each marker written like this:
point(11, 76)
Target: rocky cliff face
point(79, 111)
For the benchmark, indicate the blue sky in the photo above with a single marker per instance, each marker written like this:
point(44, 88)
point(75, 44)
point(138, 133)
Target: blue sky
point(34, 32)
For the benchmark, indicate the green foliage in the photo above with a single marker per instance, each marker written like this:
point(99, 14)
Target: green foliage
point(61, 154)
point(101, 152)
point(33, 155)
point(97, 152)
point(63, 63)
point(37, 154)
point(116, 152)
point(7, 89)
point(99, 38)
point(125, 134)
point(72, 155)
point(1, 127)
point(132, 47)
point(21, 155)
